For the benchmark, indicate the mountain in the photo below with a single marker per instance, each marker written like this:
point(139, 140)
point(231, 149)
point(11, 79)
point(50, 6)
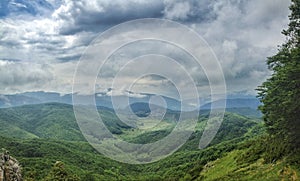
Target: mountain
point(252, 103)
point(16, 100)
point(102, 100)
point(50, 120)
point(57, 121)
point(123, 101)
point(39, 135)
point(33, 98)
point(241, 104)
point(246, 111)
point(142, 109)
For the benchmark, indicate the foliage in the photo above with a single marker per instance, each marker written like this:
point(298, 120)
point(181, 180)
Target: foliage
point(293, 31)
point(234, 126)
point(39, 154)
point(279, 94)
point(60, 173)
point(51, 120)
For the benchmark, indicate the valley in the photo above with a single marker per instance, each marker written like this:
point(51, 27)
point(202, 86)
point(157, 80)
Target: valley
point(40, 135)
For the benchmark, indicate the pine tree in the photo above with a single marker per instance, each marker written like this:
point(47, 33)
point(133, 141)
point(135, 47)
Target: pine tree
point(280, 94)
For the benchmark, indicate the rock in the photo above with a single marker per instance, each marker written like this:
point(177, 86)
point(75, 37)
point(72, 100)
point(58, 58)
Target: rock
point(10, 169)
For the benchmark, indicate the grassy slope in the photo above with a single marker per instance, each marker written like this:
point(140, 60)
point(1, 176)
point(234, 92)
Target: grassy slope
point(228, 168)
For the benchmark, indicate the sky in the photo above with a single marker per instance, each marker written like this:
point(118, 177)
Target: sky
point(41, 42)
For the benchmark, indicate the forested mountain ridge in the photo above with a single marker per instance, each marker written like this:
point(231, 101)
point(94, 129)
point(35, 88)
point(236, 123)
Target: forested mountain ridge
point(61, 140)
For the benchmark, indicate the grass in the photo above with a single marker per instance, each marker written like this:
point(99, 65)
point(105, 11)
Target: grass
point(220, 168)
point(227, 168)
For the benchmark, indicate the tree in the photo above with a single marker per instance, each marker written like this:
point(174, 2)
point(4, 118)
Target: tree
point(280, 94)
point(60, 173)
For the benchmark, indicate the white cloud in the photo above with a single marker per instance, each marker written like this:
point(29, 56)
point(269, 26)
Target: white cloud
point(177, 10)
point(241, 33)
point(17, 76)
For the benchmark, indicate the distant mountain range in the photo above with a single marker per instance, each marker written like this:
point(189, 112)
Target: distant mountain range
point(101, 99)
point(252, 103)
point(57, 121)
point(137, 103)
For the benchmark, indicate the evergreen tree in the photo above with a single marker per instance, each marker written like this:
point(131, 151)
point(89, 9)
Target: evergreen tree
point(280, 94)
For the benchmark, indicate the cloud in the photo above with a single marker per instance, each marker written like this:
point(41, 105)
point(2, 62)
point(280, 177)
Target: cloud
point(17, 76)
point(24, 7)
point(94, 15)
point(177, 11)
point(188, 11)
point(242, 35)
point(112, 92)
point(38, 40)
point(48, 43)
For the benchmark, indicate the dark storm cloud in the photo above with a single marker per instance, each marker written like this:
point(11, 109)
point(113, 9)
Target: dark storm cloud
point(78, 16)
point(95, 15)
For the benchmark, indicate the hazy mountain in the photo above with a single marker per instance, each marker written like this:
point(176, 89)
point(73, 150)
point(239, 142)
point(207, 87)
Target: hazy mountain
point(121, 102)
point(102, 100)
point(17, 100)
point(252, 103)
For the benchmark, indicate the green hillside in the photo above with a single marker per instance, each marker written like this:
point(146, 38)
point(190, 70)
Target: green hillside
point(40, 135)
point(247, 162)
point(227, 168)
point(57, 121)
point(54, 121)
point(51, 120)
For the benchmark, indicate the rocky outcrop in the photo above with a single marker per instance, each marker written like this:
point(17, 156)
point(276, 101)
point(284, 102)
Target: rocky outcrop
point(10, 169)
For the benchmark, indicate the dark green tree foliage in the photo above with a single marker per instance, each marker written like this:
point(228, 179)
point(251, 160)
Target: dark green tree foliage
point(293, 31)
point(60, 173)
point(280, 94)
